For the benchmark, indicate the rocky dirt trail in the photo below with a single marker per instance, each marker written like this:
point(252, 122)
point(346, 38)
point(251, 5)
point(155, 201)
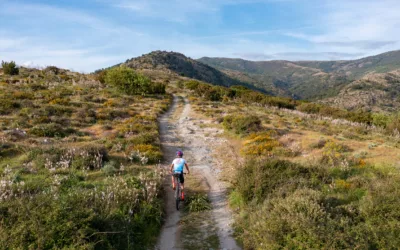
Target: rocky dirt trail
point(184, 131)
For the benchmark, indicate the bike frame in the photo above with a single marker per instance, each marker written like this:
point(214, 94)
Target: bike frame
point(177, 189)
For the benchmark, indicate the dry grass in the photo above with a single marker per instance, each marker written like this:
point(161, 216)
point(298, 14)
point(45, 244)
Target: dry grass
point(66, 133)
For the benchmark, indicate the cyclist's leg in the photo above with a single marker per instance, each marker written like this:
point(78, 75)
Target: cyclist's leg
point(182, 180)
point(173, 181)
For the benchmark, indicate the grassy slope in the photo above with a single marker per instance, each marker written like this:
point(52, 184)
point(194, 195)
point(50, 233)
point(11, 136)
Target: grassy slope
point(97, 116)
point(376, 92)
point(335, 189)
point(70, 152)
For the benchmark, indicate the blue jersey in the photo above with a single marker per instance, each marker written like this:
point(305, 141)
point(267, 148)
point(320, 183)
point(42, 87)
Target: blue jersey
point(178, 164)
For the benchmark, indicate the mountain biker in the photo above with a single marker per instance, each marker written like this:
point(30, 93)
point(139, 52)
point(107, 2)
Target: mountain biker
point(177, 167)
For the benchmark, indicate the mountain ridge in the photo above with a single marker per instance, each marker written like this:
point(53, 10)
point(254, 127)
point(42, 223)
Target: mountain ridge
point(309, 80)
point(337, 82)
point(184, 66)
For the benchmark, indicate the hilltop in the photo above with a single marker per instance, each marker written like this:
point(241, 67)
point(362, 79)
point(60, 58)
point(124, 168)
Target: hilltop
point(177, 63)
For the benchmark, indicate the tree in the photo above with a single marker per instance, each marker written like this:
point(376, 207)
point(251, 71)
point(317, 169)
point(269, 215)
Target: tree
point(10, 68)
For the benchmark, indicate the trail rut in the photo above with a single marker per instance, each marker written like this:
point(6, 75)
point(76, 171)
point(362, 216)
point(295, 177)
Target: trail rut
point(185, 133)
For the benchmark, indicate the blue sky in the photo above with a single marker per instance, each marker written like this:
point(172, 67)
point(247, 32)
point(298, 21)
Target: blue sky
point(90, 34)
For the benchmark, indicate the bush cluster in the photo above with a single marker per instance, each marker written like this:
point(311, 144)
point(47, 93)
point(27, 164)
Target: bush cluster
point(260, 144)
point(130, 82)
point(9, 68)
point(121, 214)
point(336, 113)
point(51, 130)
point(287, 205)
point(242, 124)
point(83, 186)
point(197, 203)
point(239, 93)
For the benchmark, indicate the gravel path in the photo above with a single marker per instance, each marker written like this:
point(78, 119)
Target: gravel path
point(198, 143)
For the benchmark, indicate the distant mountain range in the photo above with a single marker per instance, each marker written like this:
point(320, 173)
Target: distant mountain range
point(371, 83)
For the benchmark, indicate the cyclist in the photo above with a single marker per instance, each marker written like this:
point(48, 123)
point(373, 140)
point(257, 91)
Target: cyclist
point(177, 166)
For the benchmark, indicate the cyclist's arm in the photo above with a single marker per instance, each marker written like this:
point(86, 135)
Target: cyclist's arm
point(171, 167)
point(187, 168)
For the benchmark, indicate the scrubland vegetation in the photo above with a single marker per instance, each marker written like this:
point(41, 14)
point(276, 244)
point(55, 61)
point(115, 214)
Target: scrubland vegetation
point(313, 177)
point(78, 155)
point(77, 160)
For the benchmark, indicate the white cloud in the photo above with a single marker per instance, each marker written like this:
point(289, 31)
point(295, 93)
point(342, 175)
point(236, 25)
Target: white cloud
point(338, 30)
point(180, 11)
point(356, 26)
point(7, 43)
point(50, 14)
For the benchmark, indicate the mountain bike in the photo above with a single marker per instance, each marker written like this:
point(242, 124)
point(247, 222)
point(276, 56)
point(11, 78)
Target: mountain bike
point(177, 184)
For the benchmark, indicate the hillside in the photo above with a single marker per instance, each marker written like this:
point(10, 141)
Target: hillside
point(356, 69)
point(311, 80)
point(304, 180)
point(72, 156)
point(79, 154)
point(283, 77)
point(374, 91)
point(183, 66)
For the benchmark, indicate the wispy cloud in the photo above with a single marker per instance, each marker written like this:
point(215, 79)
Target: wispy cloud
point(299, 56)
point(67, 37)
point(49, 13)
point(363, 25)
point(365, 45)
point(173, 10)
point(181, 10)
point(92, 34)
point(7, 43)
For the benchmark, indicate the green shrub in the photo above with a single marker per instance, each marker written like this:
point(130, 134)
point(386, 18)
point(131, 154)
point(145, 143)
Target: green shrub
point(192, 85)
point(289, 206)
point(10, 68)
point(309, 108)
point(279, 102)
point(381, 120)
point(100, 75)
point(259, 144)
point(334, 154)
point(259, 180)
point(7, 106)
point(145, 153)
point(109, 168)
point(131, 82)
point(393, 124)
point(213, 95)
point(76, 218)
point(301, 220)
point(51, 130)
point(242, 124)
point(197, 203)
point(52, 69)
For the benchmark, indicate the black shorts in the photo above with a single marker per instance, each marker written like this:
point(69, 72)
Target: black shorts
point(181, 178)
